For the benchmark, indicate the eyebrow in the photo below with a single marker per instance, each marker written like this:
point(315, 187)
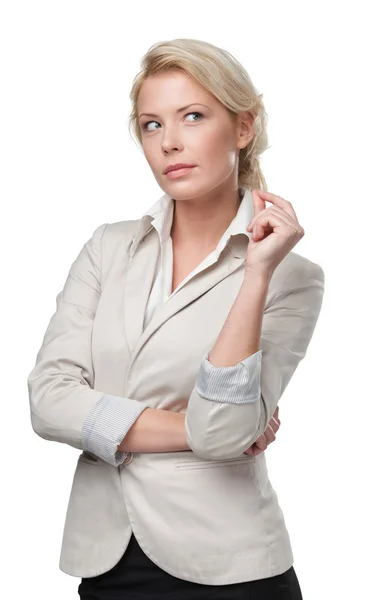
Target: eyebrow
point(178, 111)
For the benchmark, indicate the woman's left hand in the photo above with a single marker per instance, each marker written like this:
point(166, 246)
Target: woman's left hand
point(275, 231)
point(268, 436)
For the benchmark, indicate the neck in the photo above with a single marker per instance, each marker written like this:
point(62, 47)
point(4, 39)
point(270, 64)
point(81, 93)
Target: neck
point(201, 222)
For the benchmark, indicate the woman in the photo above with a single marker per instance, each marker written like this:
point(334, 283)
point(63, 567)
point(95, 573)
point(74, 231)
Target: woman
point(173, 340)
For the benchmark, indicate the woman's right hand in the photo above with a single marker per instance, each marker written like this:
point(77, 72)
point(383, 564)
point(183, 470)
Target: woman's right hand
point(275, 231)
point(268, 436)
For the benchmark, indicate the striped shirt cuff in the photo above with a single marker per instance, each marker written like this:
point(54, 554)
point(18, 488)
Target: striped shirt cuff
point(107, 424)
point(238, 384)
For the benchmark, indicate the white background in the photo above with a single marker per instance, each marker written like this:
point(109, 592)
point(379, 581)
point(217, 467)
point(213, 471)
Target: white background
point(69, 164)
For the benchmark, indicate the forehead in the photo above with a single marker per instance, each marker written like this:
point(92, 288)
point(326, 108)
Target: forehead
point(171, 89)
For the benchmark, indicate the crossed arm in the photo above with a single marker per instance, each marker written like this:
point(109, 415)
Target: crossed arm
point(158, 430)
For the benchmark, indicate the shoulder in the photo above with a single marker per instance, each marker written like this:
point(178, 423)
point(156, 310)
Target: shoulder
point(108, 236)
point(295, 271)
point(303, 265)
point(121, 230)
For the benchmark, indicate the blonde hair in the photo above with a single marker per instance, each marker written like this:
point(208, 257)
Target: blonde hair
point(225, 78)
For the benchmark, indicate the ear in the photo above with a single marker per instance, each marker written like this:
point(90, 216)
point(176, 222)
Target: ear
point(245, 131)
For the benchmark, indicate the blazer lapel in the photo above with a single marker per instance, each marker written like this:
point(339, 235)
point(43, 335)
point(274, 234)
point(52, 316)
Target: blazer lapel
point(140, 278)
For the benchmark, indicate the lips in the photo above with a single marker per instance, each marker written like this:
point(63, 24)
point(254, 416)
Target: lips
point(177, 166)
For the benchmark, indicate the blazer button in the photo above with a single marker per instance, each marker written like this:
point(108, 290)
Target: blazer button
point(128, 459)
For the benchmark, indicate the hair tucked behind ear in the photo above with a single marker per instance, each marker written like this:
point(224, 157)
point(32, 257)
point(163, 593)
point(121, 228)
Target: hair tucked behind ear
point(225, 78)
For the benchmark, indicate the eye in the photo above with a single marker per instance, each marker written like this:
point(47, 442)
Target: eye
point(145, 125)
point(195, 113)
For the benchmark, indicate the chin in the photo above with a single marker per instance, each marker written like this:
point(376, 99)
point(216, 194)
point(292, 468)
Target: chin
point(182, 190)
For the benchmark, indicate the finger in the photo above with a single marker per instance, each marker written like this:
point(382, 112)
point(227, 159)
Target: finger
point(269, 434)
point(275, 419)
point(270, 431)
point(279, 201)
point(261, 442)
point(270, 221)
point(258, 205)
point(259, 232)
point(266, 224)
point(258, 201)
point(274, 424)
point(257, 451)
point(253, 451)
point(271, 209)
point(278, 211)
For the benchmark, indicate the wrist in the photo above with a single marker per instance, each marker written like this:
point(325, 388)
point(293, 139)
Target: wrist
point(257, 278)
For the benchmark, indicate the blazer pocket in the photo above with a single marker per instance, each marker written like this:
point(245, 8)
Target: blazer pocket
point(213, 464)
point(88, 458)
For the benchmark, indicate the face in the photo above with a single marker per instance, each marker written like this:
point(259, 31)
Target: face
point(203, 134)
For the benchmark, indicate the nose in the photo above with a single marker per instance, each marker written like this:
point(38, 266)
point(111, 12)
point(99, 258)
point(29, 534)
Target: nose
point(170, 143)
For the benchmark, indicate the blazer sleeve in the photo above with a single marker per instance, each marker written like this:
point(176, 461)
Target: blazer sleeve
point(230, 407)
point(64, 406)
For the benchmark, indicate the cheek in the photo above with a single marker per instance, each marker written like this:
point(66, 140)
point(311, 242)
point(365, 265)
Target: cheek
point(218, 148)
point(223, 156)
point(151, 155)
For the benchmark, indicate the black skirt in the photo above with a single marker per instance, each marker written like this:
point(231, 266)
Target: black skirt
point(136, 577)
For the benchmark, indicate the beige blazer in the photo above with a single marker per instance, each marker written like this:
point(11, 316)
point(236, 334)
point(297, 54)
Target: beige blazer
point(209, 515)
